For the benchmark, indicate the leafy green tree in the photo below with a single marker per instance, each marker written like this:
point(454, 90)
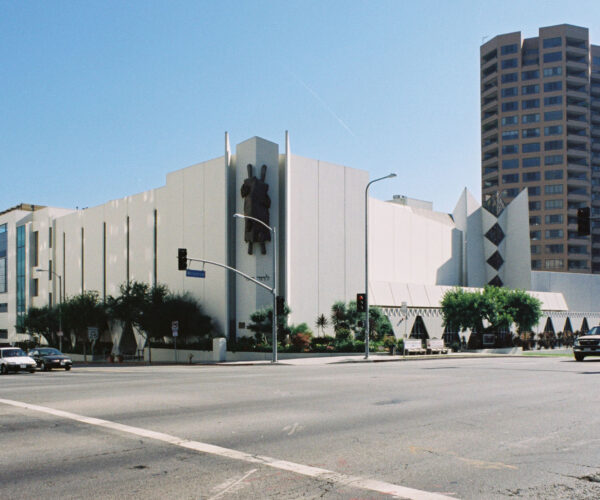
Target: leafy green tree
point(525, 310)
point(152, 320)
point(185, 309)
point(128, 308)
point(497, 307)
point(42, 322)
point(261, 324)
point(82, 311)
point(346, 318)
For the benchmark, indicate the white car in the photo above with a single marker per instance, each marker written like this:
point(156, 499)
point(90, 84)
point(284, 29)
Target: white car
point(13, 359)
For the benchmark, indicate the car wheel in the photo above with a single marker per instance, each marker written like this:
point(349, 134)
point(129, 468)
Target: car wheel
point(32, 370)
point(3, 369)
point(43, 367)
point(67, 368)
point(579, 356)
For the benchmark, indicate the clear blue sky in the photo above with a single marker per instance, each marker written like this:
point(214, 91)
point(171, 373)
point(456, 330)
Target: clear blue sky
point(100, 99)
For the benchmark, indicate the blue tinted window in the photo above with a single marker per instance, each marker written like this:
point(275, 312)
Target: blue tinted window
point(510, 120)
point(510, 178)
point(554, 71)
point(596, 61)
point(530, 89)
point(553, 219)
point(553, 101)
point(510, 135)
point(510, 149)
point(531, 176)
point(551, 175)
point(514, 163)
point(550, 145)
point(552, 57)
point(552, 86)
point(510, 193)
point(531, 162)
point(531, 147)
point(553, 115)
point(553, 233)
point(530, 132)
point(510, 92)
point(553, 160)
point(553, 130)
point(510, 106)
point(3, 249)
point(552, 42)
point(535, 205)
point(509, 63)
point(509, 49)
point(531, 118)
point(510, 77)
point(553, 189)
point(533, 191)
point(530, 103)
point(20, 275)
point(530, 75)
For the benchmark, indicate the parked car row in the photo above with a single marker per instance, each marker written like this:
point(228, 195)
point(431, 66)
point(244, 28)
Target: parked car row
point(14, 359)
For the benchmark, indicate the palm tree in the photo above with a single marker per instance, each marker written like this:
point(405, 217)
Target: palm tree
point(321, 322)
point(338, 315)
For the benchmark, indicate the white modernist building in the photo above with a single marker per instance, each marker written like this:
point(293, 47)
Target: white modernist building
point(415, 253)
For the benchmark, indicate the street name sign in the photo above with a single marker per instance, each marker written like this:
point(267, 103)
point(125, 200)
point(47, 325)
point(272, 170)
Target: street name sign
point(195, 273)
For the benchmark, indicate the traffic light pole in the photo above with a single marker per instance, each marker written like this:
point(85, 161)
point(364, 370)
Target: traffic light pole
point(367, 260)
point(273, 289)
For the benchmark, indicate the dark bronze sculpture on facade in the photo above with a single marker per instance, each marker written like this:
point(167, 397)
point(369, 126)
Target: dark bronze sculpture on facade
point(256, 204)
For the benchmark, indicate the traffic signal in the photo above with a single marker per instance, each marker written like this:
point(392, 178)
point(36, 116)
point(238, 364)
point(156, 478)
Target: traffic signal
point(583, 221)
point(361, 302)
point(182, 259)
point(280, 305)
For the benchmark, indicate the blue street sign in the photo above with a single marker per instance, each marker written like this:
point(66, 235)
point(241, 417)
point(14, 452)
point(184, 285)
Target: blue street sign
point(195, 273)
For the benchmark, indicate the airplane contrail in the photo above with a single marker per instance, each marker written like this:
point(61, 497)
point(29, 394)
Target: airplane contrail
point(324, 104)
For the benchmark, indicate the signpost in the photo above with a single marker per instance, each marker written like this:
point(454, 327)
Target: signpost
point(92, 333)
point(175, 331)
point(92, 336)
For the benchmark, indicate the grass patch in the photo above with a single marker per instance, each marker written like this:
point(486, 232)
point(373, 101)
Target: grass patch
point(549, 354)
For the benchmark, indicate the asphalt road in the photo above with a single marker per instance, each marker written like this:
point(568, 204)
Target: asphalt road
point(460, 428)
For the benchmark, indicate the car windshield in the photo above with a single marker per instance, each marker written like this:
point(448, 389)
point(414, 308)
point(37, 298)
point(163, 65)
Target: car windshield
point(49, 351)
point(594, 331)
point(11, 353)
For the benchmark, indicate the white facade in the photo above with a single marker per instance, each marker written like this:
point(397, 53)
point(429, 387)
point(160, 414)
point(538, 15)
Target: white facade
point(317, 208)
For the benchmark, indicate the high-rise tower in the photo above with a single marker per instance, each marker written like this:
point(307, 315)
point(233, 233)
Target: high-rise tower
point(540, 131)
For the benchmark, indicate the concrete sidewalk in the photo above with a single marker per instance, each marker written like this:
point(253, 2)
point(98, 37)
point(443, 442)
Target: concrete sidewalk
point(386, 358)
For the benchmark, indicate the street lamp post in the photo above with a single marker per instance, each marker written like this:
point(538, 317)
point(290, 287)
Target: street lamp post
point(389, 176)
point(274, 289)
point(60, 335)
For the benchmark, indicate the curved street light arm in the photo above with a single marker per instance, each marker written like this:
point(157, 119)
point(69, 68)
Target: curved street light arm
point(241, 216)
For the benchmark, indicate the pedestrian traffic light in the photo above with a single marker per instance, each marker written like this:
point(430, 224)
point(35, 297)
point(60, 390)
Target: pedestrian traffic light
point(182, 259)
point(361, 302)
point(583, 221)
point(280, 305)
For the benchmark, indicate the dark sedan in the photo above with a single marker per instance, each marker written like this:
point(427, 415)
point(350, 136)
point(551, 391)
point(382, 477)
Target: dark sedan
point(48, 358)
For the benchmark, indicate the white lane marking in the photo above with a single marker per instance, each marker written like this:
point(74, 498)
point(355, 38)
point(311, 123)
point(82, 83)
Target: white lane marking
point(305, 470)
point(231, 485)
